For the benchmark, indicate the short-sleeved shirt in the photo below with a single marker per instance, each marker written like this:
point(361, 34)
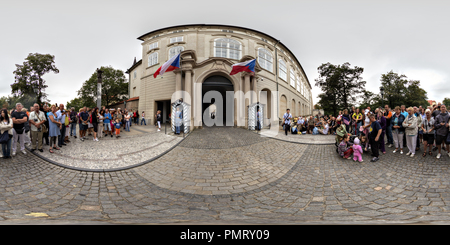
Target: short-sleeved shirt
point(286, 117)
point(19, 115)
point(39, 117)
point(374, 128)
point(84, 116)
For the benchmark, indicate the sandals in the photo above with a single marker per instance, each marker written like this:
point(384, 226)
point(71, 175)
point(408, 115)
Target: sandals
point(424, 154)
point(429, 153)
point(51, 151)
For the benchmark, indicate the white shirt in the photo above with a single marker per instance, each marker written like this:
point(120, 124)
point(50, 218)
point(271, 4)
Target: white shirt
point(325, 130)
point(287, 117)
point(38, 120)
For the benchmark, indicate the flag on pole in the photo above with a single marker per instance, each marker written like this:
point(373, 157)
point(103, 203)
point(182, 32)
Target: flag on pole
point(172, 64)
point(248, 66)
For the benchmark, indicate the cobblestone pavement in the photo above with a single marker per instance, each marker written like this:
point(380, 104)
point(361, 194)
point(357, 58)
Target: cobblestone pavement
point(139, 145)
point(300, 138)
point(264, 181)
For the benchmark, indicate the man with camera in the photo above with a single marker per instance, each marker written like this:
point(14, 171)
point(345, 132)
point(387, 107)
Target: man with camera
point(37, 118)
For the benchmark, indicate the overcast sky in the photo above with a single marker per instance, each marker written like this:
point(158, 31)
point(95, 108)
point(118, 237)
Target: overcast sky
point(408, 37)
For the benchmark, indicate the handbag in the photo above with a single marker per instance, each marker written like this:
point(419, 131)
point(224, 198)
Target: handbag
point(43, 127)
point(4, 138)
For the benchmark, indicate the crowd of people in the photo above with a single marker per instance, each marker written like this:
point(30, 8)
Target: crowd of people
point(374, 130)
point(54, 125)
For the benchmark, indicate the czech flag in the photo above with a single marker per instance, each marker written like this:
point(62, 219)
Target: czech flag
point(172, 64)
point(248, 66)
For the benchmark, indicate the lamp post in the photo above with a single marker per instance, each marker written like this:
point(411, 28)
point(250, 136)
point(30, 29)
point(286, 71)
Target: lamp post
point(99, 88)
point(382, 95)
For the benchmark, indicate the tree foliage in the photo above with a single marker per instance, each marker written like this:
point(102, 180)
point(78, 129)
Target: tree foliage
point(400, 91)
point(341, 85)
point(446, 102)
point(78, 103)
point(114, 87)
point(28, 77)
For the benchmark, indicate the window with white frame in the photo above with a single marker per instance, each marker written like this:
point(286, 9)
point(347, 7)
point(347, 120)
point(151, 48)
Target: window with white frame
point(175, 50)
point(282, 70)
point(176, 39)
point(153, 59)
point(265, 59)
point(292, 78)
point(152, 46)
point(227, 48)
point(299, 81)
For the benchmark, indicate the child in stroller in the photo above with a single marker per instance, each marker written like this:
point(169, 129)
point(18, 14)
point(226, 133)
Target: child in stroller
point(340, 132)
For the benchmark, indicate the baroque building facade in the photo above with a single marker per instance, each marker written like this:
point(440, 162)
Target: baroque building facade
point(207, 53)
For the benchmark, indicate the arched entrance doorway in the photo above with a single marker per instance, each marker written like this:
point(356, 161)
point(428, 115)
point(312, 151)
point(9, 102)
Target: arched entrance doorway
point(215, 87)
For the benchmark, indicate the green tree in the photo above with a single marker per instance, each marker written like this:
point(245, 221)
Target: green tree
point(114, 87)
point(415, 95)
point(370, 99)
point(394, 88)
point(342, 85)
point(28, 77)
point(446, 102)
point(398, 90)
point(78, 103)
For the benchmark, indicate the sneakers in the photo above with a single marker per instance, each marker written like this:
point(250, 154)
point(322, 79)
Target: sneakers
point(390, 145)
point(401, 152)
point(438, 155)
point(412, 154)
point(159, 130)
point(14, 154)
point(374, 159)
point(395, 151)
point(24, 152)
point(409, 153)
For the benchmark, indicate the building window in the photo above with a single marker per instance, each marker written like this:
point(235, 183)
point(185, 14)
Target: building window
point(227, 48)
point(176, 39)
point(293, 78)
point(265, 59)
point(152, 46)
point(175, 50)
point(282, 70)
point(299, 89)
point(153, 59)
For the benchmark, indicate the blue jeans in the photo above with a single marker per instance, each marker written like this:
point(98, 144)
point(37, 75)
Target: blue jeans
point(73, 129)
point(6, 148)
point(143, 120)
point(127, 125)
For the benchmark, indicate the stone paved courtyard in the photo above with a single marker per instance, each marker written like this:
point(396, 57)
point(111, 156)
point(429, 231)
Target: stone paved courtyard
point(231, 176)
point(142, 143)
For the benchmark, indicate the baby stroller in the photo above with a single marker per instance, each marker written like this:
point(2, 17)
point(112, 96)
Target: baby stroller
point(340, 132)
